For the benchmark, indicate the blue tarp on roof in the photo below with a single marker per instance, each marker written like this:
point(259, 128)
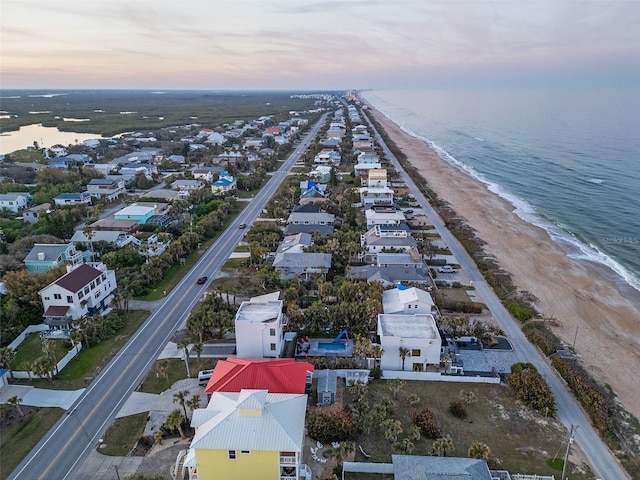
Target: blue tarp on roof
point(403, 287)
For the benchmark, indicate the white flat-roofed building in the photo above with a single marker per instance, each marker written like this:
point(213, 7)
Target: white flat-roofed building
point(417, 333)
point(259, 325)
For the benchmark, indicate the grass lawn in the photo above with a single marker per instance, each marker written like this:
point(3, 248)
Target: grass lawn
point(88, 363)
point(455, 295)
point(522, 440)
point(123, 434)
point(31, 349)
point(232, 264)
point(154, 383)
point(17, 440)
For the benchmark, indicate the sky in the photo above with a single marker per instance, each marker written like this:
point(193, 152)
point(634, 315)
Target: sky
point(310, 45)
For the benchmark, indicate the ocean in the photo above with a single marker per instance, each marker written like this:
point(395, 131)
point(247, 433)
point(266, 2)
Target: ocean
point(567, 160)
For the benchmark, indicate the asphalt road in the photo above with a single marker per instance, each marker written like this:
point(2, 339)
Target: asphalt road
point(602, 460)
point(60, 452)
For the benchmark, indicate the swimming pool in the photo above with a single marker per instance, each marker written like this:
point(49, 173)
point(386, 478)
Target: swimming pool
point(331, 346)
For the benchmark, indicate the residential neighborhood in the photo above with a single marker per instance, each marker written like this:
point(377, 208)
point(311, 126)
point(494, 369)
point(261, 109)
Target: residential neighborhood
point(316, 318)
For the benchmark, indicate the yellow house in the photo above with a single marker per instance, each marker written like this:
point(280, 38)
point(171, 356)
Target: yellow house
point(247, 436)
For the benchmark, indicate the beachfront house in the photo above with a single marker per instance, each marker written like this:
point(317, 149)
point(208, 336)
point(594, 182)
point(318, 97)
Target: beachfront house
point(416, 336)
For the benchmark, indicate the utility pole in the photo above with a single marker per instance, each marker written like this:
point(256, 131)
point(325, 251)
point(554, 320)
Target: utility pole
point(566, 453)
point(575, 338)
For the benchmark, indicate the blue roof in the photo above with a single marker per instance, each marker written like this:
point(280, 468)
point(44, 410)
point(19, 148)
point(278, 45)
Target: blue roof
point(3, 371)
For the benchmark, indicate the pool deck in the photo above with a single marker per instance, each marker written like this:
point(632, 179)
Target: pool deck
point(311, 349)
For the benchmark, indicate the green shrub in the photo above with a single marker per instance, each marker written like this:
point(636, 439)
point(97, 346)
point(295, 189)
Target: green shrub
point(427, 422)
point(376, 373)
point(594, 398)
point(519, 312)
point(457, 409)
point(331, 426)
point(542, 337)
point(529, 387)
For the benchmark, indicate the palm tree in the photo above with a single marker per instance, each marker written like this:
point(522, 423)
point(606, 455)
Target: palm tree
point(158, 437)
point(404, 353)
point(479, 450)
point(467, 396)
point(377, 351)
point(193, 403)
point(341, 452)
point(16, 401)
point(392, 428)
point(163, 369)
point(89, 233)
point(184, 346)
point(395, 384)
point(181, 398)
point(198, 346)
point(174, 421)
point(6, 357)
point(442, 446)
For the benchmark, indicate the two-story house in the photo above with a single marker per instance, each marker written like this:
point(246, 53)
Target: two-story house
point(408, 300)
point(13, 202)
point(85, 289)
point(415, 336)
point(107, 188)
point(33, 214)
point(45, 257)
point(248, 435)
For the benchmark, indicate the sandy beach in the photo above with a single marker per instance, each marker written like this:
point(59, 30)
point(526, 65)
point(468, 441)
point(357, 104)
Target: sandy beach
point(580, 295)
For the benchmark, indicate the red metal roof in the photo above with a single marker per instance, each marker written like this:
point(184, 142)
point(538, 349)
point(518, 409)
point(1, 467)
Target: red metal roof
point(282, 375)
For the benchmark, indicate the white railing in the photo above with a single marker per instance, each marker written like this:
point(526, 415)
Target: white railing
point(288, 460)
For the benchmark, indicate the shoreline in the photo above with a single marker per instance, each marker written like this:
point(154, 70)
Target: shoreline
point(588, 301)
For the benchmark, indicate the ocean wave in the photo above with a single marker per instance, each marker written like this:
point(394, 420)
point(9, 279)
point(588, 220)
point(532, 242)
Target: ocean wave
point(595, 181)
point(528, 212)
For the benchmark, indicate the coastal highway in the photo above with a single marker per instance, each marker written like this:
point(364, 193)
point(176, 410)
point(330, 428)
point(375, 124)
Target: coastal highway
point(60, 452)
point(602, 460)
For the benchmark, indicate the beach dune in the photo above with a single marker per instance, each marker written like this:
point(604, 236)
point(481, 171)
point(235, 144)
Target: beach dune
point(591, 305)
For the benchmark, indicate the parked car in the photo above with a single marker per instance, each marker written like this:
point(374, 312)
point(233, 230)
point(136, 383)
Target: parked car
point(201, 280)
point(446, 269)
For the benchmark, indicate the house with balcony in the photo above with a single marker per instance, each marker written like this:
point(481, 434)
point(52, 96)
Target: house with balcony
point(383, 217)
point(408, 300)
point(44, 257)
point(259, 327)
point(386, 239)
point(327, 157)
point(248, 435)
point(307, 221)
point(107, 188)
point(85, 289)
point(416, 333)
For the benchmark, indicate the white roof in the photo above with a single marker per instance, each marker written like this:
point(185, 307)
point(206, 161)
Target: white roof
point(259, 312)
point(253, 420)
point(395, 299)
point(135, 210)
point(408, 326)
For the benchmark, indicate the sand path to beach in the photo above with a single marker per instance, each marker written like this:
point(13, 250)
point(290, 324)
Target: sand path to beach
point(580, 295)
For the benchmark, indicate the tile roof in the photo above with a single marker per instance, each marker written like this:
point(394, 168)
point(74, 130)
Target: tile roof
point(275, 375)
